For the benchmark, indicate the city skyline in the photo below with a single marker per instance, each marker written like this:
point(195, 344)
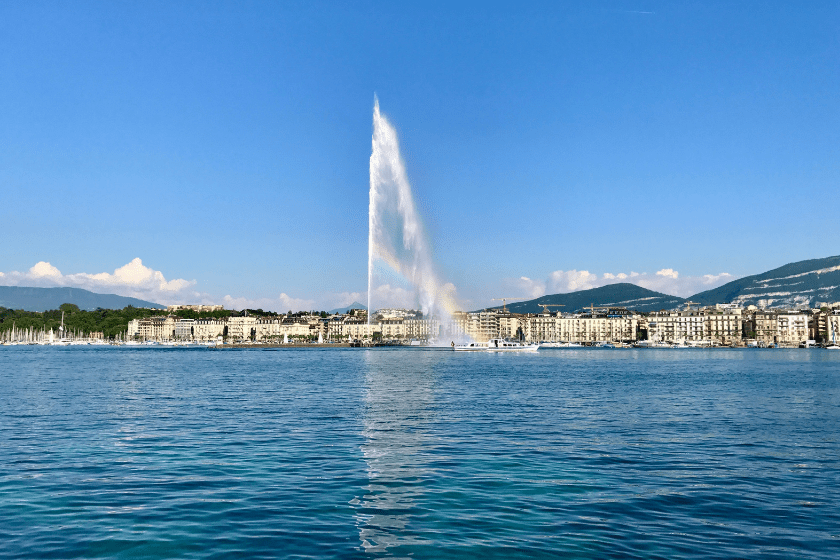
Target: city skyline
point(211, 153)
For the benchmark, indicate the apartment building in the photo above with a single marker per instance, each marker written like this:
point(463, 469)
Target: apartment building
point(277, 328)
point(791, 328)
point(205, 330)
point(718, 325)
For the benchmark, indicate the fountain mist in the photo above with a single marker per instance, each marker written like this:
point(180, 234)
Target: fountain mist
point(396, 234)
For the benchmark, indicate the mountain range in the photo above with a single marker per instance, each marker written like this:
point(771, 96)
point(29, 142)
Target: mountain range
point(808, 283)
point(44, 299)
point(804, 283)
point(622, 294)
point(354, 305)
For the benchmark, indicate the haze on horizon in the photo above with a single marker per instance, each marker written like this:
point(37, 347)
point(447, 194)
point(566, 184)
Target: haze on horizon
point(212, 152)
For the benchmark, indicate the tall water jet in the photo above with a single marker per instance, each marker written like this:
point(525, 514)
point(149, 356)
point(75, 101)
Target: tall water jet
point(396, 235)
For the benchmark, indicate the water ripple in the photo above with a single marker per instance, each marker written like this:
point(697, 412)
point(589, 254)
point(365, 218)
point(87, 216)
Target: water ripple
point(123, 453)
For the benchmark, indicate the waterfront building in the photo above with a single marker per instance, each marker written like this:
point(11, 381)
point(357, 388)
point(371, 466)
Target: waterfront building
point(360, 330)
point(242, 328)
point(392, 328)
point(133, 329)
point(422, 329)
point(510, 325)
point(205, 330)
point(597, 327)
point(709, 326)
point(825, 325)
point(764, 326)
point(542, 328)
point(160, 328)
point(717, 325)
point(613, 324)
point(466, 323)
point(725, 324)
point(185, 329)
point(791, 328)
point(832, 332)
point(276, 328)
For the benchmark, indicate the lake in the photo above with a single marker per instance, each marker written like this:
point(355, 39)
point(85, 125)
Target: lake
point(367, 453)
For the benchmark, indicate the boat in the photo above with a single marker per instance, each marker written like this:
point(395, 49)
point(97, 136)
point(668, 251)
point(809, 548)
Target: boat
point(503, 345)
point(560, 345)
point(470, 347)
point(496, 345)
point(651, 344)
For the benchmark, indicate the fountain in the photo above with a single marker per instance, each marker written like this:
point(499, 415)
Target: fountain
point(396, 236)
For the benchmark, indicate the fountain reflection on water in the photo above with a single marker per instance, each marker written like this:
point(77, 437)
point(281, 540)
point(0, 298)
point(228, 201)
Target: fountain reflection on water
point(398, 447)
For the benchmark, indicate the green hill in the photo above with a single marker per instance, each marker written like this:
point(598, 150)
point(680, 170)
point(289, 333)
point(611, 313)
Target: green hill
point(354, 305)
point(623, 294)
point(809, 282)
point(44, 299)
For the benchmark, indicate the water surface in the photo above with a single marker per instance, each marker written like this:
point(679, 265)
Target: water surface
point(351, 453)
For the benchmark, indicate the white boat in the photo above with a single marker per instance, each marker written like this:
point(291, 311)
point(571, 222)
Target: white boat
point(651, 344)
point(471, 347)
point(560, 345)
point(496, 345)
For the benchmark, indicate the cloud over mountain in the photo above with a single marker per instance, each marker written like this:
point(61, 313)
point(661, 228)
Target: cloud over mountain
point(133, 279)
point(140, 281)
point(666, 280)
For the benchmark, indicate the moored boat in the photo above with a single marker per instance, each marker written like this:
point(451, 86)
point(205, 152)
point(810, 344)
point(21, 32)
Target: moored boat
point(503, 345)
point(496, 345)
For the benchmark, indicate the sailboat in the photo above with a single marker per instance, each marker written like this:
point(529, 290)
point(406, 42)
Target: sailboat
point(62, 341)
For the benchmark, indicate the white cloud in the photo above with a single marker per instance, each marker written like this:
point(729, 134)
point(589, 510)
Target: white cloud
point(280, 304)
point(134, 280)
point(668, 273)
point(386, 295)
point(44, 270)
point(666, 280)
point(137, 280)
point(344, 299)
point(533, 288)
point(573, 280)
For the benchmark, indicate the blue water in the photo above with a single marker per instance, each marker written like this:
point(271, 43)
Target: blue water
point(168, 453)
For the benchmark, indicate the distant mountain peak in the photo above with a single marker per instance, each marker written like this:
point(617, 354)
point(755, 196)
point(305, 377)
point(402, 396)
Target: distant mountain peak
point(354, 305)
point(803, 283)
point(622, 294)
point(45, 299)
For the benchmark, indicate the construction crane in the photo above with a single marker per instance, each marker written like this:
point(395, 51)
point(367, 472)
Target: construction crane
point(545, 306)
point(592, 309)
point(688, 304)
point(504, 302)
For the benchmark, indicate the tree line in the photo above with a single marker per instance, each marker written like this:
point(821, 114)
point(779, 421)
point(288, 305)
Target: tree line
point(110, 322)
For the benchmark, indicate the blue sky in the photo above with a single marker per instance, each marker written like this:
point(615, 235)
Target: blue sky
point(226, 144)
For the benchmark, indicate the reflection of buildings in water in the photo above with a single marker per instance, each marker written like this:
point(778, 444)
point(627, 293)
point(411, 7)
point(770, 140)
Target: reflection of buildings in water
point(397, 409)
